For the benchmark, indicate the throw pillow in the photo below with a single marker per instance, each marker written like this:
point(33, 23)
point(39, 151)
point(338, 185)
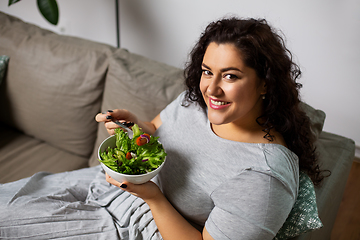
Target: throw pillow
point(54, 87)
point(4, 60)
point(317, 118)
point(303, 217)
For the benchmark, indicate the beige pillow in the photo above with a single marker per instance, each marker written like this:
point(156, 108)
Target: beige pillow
point(140, 85)
point(54, 85)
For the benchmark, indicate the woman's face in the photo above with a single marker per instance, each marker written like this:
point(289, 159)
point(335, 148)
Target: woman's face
point(231, 90)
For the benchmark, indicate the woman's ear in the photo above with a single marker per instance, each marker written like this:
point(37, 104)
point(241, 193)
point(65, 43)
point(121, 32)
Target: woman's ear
point(263, 87)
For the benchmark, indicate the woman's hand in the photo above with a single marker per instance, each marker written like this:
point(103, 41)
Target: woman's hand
point(121, 115)
point(147, 191)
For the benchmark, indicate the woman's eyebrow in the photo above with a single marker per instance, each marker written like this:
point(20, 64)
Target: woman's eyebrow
point(229, 69)
point(223, 69)
point(205, 66)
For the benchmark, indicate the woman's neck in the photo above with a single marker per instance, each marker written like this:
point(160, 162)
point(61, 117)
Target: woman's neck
point(248, 134)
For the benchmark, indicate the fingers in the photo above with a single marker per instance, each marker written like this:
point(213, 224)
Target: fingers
point(122, 185)
point(110, 127)
point(117, 114)
point(104, 117)
point(115, 183)
point(146, 191)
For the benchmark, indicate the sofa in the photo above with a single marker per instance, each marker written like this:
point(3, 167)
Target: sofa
point(54, 85)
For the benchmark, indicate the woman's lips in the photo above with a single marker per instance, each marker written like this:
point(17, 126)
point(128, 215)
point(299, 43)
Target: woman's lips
point(217, 104)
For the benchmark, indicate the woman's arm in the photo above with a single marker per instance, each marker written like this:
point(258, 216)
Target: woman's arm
point(171, 224)
point(169, 221)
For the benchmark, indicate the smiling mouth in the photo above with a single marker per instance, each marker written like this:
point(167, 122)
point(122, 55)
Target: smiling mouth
point(218, 103)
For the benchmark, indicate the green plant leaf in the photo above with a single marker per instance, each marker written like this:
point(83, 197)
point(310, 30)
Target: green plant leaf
point(12, 2)
point(49, 9)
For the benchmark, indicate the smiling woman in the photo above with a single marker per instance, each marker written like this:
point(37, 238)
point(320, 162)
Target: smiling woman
point(232, 92)
point(254, 47)
point(235, 140)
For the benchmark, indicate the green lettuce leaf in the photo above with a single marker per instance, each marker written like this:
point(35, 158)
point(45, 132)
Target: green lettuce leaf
point(146, 158)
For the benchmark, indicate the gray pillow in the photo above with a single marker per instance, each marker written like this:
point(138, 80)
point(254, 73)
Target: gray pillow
point(317, 118)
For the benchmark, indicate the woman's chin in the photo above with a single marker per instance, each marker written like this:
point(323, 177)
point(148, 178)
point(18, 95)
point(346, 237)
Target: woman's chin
point(216, 120)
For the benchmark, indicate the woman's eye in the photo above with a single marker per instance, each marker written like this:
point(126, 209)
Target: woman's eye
point(206, 72)
point(231, 76)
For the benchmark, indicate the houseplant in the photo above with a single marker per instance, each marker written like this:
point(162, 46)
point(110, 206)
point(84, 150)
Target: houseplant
point(48, 8)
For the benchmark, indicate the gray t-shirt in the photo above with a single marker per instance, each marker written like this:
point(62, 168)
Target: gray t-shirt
point(236, 190)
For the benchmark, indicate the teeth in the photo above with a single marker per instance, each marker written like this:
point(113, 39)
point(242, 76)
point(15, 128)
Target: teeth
point(217, 102)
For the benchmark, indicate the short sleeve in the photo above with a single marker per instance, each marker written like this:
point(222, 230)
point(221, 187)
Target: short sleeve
point(170, 110)
point(253, 205)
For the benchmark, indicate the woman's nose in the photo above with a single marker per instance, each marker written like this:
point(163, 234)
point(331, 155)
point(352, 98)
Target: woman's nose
point(214, 88)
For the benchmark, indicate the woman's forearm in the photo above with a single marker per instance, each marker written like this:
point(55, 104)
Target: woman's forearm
point(170, 223)
point(150, 127)
point(147, 127)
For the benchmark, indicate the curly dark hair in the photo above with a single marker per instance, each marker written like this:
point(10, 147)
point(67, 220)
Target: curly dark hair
point(263, 50)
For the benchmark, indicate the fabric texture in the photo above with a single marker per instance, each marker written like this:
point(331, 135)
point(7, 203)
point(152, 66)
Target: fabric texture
point(55, 88)
point(20, 156)
point(4, 60)
point(140, 85)
point(304, 215)
point(237, 190)
point(73, 205)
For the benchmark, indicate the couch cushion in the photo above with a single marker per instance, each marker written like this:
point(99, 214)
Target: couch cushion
point(140, 85)
point(53, 86)
point(22, 156)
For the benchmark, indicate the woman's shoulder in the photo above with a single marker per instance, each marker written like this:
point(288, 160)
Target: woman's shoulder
point(275, 150)
point(282, 163)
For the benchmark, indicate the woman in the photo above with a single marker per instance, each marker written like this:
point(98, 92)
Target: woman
point(235, 142)
point(235, 139)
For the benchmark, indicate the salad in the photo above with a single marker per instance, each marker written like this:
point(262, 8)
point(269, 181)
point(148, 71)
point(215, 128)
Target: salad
point(141, 154)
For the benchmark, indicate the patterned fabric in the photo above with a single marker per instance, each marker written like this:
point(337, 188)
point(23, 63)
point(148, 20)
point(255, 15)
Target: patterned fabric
point(304, 215)
point(4, 60)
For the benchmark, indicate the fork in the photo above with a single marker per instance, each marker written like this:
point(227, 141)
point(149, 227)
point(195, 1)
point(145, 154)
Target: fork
point(126, 126)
